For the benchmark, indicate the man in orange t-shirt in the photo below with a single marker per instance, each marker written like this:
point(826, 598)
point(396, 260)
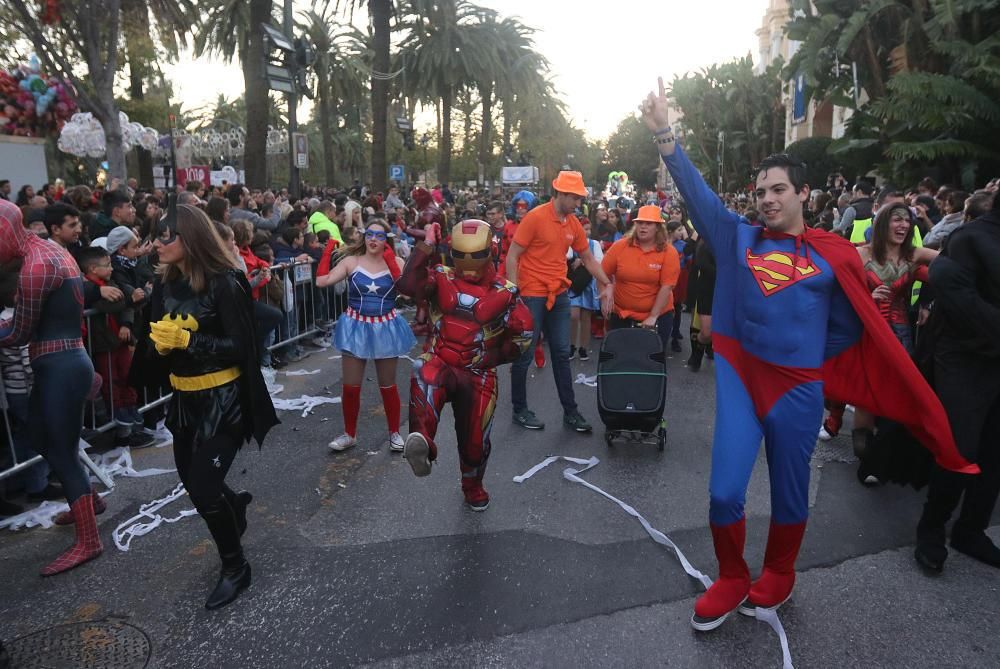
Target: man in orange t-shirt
point(536, 262)
point(645, 268)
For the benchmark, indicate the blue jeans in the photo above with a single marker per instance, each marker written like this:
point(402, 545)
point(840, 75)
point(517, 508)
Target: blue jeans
point(36, 477)
point(554, 323)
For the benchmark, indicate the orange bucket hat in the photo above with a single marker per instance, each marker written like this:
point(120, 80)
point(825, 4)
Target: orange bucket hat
point(649, 213)
point(570, 182)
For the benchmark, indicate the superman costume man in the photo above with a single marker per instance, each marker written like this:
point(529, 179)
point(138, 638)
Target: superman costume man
point(792, 318)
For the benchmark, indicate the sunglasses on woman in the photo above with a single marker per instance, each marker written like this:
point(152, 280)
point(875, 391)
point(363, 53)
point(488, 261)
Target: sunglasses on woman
point(378, 235)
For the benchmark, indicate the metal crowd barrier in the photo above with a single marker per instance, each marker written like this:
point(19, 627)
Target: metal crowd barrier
point(307, 311)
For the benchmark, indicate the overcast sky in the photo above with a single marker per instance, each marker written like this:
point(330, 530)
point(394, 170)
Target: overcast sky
point(604, 56)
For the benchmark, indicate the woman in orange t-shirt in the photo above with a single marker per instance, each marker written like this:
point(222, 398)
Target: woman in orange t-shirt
point(644, 268)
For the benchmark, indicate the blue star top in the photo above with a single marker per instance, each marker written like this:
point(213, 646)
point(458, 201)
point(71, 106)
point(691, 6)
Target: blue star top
point(371, 295)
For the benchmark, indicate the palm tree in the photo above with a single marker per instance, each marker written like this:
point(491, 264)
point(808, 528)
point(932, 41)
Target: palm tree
point(443, 52)
point(380, 13)
point(517, 67)
point(231, 29)
point(340, 74)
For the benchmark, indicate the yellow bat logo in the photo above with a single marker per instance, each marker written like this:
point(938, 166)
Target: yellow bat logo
point(184, 321)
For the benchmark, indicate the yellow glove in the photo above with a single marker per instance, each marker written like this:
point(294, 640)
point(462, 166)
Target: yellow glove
point(167, 336)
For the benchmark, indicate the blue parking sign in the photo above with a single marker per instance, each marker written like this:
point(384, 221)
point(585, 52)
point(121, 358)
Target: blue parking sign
point(396, 172)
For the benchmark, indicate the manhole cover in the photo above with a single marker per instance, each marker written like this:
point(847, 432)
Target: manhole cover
point(96, 645)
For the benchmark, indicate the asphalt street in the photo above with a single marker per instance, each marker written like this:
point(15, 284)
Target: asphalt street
point(356, 562)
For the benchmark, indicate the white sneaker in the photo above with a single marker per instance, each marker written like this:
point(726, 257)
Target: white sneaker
point(343, 442)
point(824, 435)
point(396, 444)
point(417, 453)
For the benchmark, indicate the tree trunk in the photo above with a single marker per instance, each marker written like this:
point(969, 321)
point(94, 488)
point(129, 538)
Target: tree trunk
point(325, 127)
point(107, 116)
point(257, 100)
point(444, 158)
point(486, 140)
point(140, 52)
point(874, 66)
point(380, 11)
point(507, 122)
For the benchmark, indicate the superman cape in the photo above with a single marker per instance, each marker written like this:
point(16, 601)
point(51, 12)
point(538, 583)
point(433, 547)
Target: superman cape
point(875, 373)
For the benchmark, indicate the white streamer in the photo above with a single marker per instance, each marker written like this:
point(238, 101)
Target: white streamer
point(305, 404)
point(302, 372)
point(148, 519)
point(586, 380)
point(116, 462)
point(769, 616)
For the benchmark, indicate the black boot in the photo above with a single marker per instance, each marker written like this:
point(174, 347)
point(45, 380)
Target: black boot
point(235, 574)
point(943, 493)
point(239, 501)
point(697, 353)
point(968, 535)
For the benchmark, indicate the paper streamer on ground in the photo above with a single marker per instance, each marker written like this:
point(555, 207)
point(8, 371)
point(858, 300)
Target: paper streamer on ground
point(586, 380)
point(116, 462)
point(305, 404)
point(768, 616)
point(148, 519)
point(302, 372)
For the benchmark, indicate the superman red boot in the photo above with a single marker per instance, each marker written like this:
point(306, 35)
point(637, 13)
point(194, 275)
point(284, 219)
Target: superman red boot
point(733, 584)
point(777, 579)
point(88, 541)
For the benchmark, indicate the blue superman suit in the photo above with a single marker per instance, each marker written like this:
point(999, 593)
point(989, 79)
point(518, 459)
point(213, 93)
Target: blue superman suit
point(779, 314)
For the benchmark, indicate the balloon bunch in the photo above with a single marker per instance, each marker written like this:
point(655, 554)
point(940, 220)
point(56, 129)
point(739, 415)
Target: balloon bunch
point(83, 135)
point(33, 105)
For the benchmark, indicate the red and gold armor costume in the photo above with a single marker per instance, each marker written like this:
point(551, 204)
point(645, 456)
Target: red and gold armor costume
point(477, 323)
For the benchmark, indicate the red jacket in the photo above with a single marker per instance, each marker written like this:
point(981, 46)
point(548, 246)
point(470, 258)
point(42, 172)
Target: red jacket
point(253, 263)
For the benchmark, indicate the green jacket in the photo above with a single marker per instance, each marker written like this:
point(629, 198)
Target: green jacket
point(319, 222)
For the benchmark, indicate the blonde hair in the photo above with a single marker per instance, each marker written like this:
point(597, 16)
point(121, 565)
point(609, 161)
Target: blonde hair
point(660, 238)
point(205, 253)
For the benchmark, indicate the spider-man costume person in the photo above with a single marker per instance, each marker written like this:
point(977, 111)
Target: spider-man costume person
point(48, 314)
point(478, 324)
point(792, 313)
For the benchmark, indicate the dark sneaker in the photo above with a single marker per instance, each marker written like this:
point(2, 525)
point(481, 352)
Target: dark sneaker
point(48, 493)
point(675, 345)
point(575, 421)
point(526, 418)
point(584, 355)
point(140, 439)
point(572, 351)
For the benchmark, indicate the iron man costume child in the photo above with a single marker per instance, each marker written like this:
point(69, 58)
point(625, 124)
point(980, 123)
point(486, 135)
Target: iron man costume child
point(478, 323)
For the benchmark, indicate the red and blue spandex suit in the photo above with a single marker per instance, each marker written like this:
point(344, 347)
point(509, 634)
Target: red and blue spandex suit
point(791, 314)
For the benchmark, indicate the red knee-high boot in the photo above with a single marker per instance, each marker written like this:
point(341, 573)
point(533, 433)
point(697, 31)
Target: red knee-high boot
point(390, 400)
point(351, 398)
point(712, 608)
point(777, 579)
point(88, 541)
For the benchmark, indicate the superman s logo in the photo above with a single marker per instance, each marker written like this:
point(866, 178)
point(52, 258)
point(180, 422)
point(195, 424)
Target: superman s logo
point(776, 270)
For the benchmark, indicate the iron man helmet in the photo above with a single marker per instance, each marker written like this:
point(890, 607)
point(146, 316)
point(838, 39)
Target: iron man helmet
point(471, 246)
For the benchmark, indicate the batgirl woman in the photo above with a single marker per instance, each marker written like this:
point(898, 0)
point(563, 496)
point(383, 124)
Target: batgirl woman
point(369, 329)
point(203, 327)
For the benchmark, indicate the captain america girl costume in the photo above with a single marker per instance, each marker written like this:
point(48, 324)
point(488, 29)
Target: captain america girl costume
point(370, 328)
point(792, 314)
